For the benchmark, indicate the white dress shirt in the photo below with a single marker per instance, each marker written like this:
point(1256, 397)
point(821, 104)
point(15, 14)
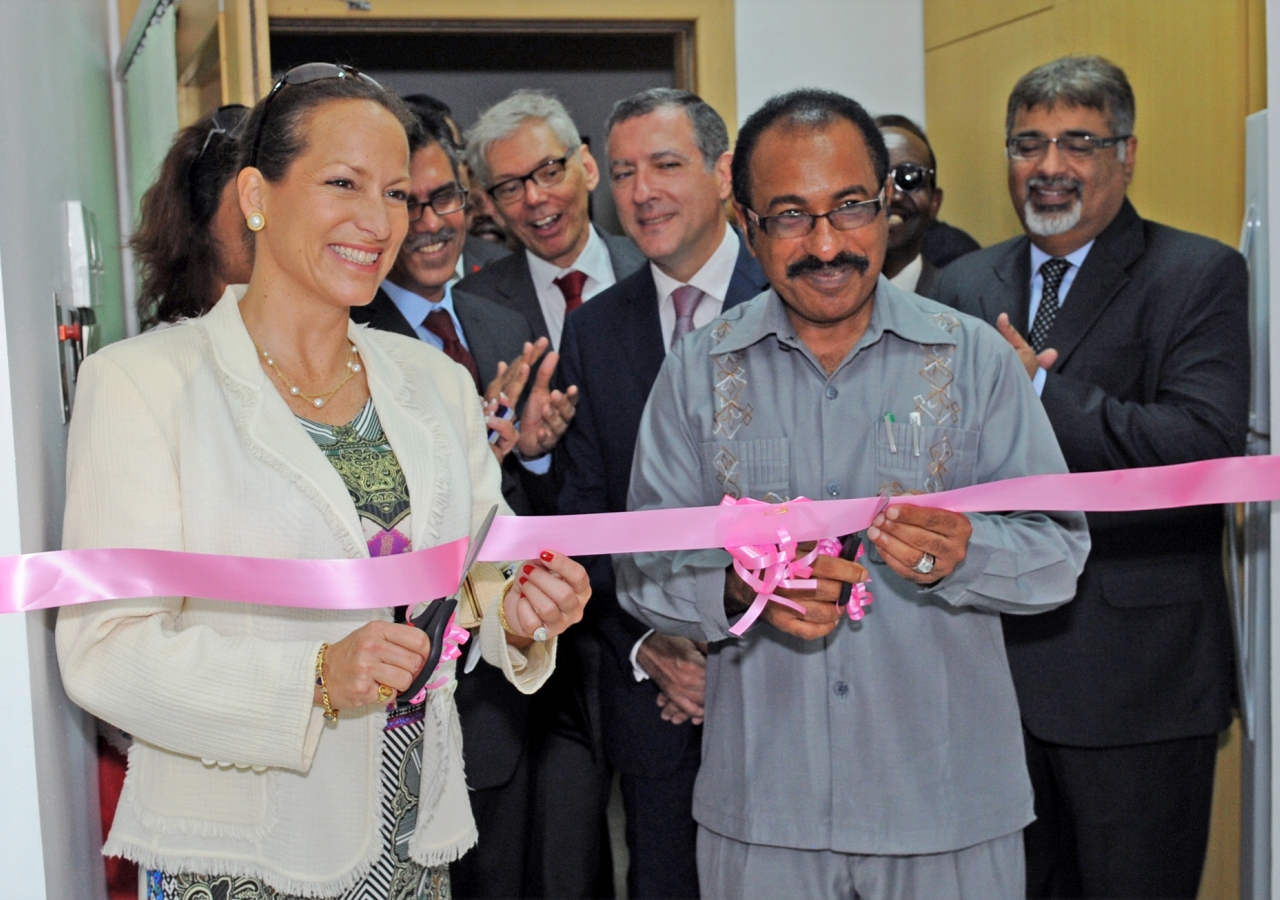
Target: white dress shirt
point(594, 262)
point(1038, 259)
point(713, 280)
point(909, 277)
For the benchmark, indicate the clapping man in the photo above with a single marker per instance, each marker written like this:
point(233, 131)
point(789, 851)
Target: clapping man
point(1135, 336)
point(668, 165)
point(880, 759)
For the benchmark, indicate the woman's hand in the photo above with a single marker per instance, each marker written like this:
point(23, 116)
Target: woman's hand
point(550, 592)
point(373, 654)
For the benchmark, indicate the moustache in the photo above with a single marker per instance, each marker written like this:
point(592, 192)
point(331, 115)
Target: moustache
point(417, 240)
point(1055, 181)
point(842, 260)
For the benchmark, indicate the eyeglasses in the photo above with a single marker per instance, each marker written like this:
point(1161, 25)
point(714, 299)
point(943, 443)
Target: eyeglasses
point(908, 177)
point(1077, 146)
point(449, 199)
point(795, 224)
point(303, 74)
point(549, 174)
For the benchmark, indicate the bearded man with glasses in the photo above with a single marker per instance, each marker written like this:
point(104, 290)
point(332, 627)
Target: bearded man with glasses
point(880, 758)
point(1136, 341)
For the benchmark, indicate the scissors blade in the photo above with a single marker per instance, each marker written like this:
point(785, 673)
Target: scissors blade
point(473, 548)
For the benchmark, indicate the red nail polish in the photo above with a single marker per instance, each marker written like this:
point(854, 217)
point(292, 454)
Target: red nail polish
point(547, 556)
point(528, 569)
point(523, 579)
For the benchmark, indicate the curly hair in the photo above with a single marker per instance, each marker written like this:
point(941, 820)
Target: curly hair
point(174, 245)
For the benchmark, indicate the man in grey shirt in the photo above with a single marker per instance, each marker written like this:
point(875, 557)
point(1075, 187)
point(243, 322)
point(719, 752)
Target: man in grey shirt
point(883, 758)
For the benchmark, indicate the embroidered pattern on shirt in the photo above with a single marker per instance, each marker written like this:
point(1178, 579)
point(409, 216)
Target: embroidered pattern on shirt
point(938, 403)
point(731, 412)
point(727, 472)
point(721, 331)
point(939, 455)
point(945, 321)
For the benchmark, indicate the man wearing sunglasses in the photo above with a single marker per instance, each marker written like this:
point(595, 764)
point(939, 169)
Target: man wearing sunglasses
point(528, 155)
point(1135, 335)
point(913, 210)
point(879, 758)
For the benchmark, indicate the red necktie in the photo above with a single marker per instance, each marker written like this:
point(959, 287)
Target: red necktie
point(570, 284)
point(440, 323)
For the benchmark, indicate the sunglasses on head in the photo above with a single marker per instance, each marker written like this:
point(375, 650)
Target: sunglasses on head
point(303, 74)
point(908, 177)
point(227, 121)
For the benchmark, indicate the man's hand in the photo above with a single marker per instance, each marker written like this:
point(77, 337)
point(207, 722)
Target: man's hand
point(679, 668)
point(547, 413)
point(1030, 359)
point(513, 376)
point(822, 609)
point(904, 533)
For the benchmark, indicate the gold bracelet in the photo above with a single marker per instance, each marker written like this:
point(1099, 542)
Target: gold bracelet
point(502, 612)
point(329, 712)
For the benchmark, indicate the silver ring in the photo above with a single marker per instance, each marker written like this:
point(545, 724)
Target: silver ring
point(925, 566)
point(540, 634)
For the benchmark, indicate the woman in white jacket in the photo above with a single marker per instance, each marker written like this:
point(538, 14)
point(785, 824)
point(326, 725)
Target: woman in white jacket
point(274, 427)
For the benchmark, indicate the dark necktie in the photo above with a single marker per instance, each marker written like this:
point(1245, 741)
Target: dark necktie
point(440, 323)
point(570, 284)
point(686, 299)
point(1051, 272)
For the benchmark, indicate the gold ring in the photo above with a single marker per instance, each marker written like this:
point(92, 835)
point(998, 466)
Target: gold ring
point(384, 692)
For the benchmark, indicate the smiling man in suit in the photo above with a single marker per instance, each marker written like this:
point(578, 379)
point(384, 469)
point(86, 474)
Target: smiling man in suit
point(527, 153)
point(1138, 349)
point(418, 300)
point(668, 164)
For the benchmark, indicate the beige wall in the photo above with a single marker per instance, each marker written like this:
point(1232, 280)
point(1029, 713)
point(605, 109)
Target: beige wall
point(1197, 68)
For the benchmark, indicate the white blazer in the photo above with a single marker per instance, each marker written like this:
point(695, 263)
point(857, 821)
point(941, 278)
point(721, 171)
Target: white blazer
point(180, 442)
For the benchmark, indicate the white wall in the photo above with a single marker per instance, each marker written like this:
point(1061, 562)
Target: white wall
point(870, 50)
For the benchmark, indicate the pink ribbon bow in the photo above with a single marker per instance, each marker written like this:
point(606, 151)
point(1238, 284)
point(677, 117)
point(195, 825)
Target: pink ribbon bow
point(454, 638)
point(767, 567)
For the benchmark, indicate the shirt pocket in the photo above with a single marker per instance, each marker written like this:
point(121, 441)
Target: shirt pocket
point(923, 459)
point(757, 469)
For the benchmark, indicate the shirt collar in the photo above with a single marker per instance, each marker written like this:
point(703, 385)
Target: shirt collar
point(909, 277)
point(594, 262)
point(714, 276)
point(893, 310)
point(1076, 258)
point(415, 307)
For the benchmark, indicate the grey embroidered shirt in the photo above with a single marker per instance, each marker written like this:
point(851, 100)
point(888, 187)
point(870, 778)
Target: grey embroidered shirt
point(899, 734)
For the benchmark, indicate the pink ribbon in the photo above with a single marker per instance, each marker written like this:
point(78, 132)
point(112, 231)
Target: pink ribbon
point(454, 638)
point(66, 577)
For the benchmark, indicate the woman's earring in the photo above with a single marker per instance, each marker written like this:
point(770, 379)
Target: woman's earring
point(256, 221)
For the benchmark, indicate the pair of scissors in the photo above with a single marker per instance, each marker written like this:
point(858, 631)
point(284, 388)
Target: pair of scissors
point(434, 620)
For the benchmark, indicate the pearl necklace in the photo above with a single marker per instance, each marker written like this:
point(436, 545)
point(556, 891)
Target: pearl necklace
point(316, 400)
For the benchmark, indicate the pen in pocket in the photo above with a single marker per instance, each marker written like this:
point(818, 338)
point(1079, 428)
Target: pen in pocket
point(888, 429)
point(915, 431)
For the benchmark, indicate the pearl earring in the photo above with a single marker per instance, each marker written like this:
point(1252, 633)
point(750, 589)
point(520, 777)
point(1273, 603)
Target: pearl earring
point(256, 221)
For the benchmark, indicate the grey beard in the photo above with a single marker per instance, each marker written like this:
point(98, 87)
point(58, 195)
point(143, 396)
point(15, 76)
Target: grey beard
point(1044, 224)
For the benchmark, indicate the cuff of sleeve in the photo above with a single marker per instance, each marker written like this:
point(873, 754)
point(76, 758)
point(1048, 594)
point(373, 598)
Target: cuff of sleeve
point(708, 587)
point(539, 465)
point(955, 587)
point(529, 669)
point(636, 669)
point(1037, 382)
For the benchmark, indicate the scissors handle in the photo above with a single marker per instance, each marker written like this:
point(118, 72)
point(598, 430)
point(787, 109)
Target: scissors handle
point(434, 620)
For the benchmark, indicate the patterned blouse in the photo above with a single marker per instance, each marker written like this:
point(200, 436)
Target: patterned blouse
point(361, 454)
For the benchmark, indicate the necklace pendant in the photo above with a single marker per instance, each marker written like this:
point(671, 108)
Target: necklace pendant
point(318, 402)
point(293, 389)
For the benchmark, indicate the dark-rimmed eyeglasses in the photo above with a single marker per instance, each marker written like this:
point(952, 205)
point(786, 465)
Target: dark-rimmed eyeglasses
point(548, 174)
point(1081, 145)
point(443, 201)
point(908, 177)
point(795, 224)
point(303, 74)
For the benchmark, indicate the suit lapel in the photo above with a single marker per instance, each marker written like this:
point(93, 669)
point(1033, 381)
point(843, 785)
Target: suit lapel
point(517, 287)
point(1010, 291)
point(645, 349)
point(269, 428)
point(384, 315)
point(1102, 276)
point(748, 279)
point(480, 339)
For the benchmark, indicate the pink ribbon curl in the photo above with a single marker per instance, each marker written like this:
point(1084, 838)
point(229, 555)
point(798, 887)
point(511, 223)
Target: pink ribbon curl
point(453, 639)
point(766, 567)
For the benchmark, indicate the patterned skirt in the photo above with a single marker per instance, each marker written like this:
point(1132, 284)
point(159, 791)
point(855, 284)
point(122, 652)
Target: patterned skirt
point(394, 875)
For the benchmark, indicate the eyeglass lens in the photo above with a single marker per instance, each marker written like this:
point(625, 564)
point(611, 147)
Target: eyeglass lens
point(849, 217)
point(442, 203)
point(549, 174)
point(1080, 146)
point(910, 177)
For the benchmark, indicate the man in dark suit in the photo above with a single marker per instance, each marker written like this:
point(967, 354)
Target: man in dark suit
point(913, 206)
point(1137, 345)
point(527, 153)
point(669, 169)
point(417, 300)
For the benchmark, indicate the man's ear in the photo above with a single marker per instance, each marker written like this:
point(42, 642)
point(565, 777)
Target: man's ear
point(935, 204)
point(747, 226)
point(593, 169)
point(724, 174)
